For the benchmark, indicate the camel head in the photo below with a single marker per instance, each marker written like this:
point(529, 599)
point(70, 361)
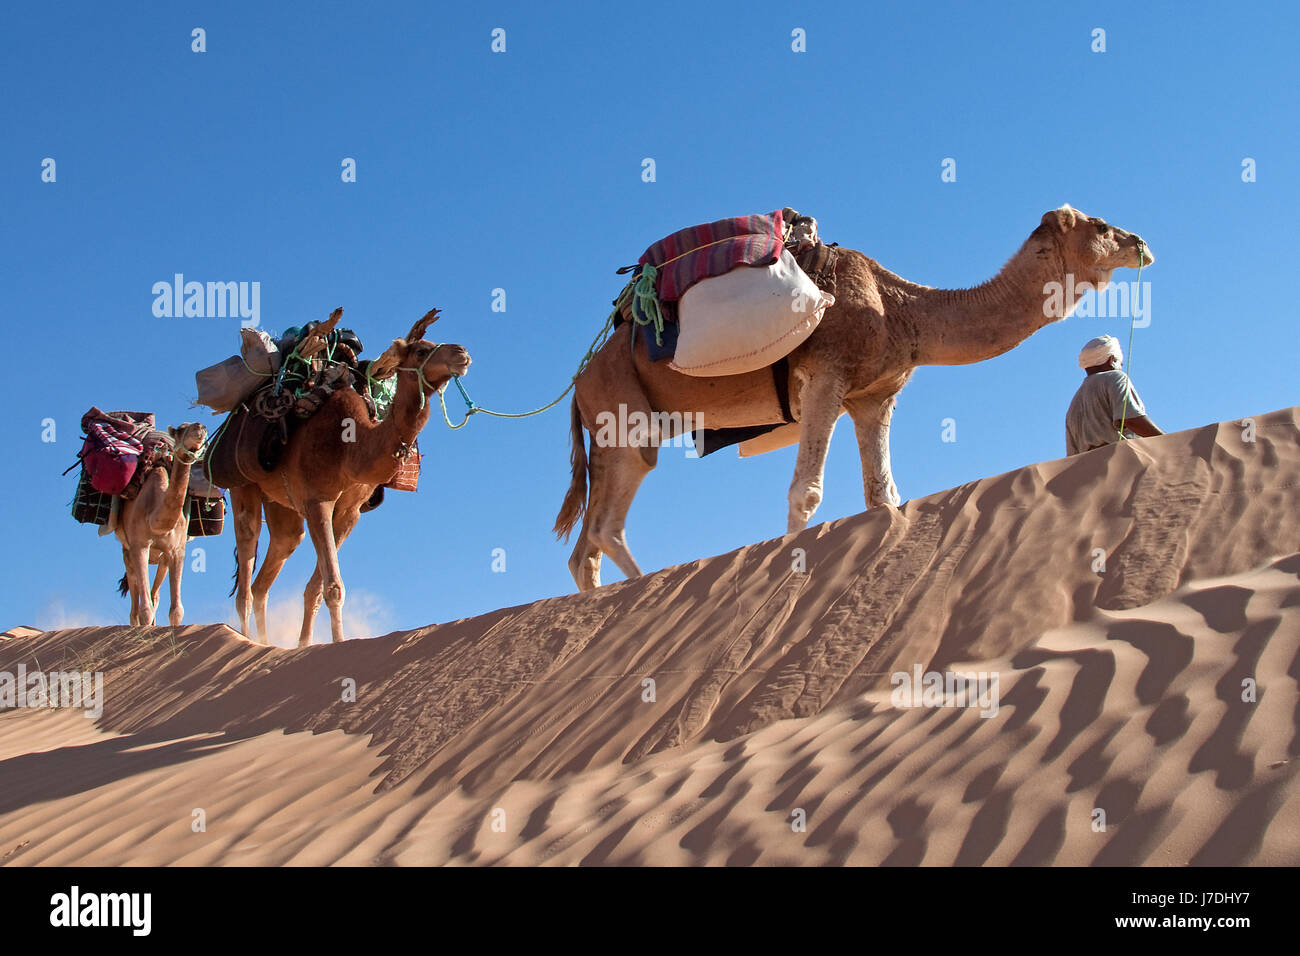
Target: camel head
point(433, 364)
point(189, 436)
point(1093, 248)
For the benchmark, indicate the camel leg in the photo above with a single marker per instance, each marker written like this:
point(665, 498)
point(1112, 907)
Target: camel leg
point(320, 525)
point(175, 567)
point(616, 473)
point(158, 580)
point(286, 528)
point(584, 562)
point(133, 615)
point(311, 598)
point(137, 579)
point(820, 403)
point(246, 507)
point(311, 595)
point(871, 415)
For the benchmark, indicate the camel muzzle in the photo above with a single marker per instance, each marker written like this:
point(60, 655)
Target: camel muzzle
point(1145, 258)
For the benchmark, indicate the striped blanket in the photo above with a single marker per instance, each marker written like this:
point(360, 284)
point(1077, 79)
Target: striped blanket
point(713, 249)
point(118, 433)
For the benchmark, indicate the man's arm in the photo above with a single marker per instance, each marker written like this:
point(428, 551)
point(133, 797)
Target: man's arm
point(1141, 426)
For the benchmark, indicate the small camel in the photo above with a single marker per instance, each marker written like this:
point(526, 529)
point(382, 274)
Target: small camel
point(331, 466)
point(152, 528)
point(867, 346)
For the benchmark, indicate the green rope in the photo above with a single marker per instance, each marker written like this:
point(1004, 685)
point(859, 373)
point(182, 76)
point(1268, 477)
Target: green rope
point(596, 345)
point(194, 457)
point(1128, 380)
point(253, 370)
point(284, 368)
point(647, 302)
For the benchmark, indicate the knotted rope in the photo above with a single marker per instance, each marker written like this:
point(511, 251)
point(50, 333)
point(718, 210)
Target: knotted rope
point(646, 302)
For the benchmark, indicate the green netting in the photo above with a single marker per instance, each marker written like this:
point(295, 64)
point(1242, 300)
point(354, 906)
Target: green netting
point(383, 391)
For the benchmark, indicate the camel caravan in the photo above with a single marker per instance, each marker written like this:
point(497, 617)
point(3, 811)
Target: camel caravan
point(313, 436)
point(749, 331)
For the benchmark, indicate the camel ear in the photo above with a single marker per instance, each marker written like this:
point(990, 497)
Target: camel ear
point(1063, 219)
point(387, 363)
point(420, 327)
point(172, 431)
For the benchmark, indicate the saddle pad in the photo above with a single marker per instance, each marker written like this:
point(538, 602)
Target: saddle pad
point(236, 452)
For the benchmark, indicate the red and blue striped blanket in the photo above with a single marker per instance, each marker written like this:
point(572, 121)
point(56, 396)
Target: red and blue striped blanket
point(713, 249)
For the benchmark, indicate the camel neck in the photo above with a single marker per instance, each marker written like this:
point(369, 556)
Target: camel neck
point(962, 326)
point(395, 433)
point(173, 502)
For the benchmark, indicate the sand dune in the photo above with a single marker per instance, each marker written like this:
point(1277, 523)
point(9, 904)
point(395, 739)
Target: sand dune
point(531, 734)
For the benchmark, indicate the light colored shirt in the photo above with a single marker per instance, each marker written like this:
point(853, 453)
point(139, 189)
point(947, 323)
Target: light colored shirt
point(1097, 405)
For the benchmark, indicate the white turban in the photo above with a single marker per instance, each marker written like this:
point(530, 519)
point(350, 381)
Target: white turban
point(1099, 350)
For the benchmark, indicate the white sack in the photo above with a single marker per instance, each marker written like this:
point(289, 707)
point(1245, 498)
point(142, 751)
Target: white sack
point(747, 319)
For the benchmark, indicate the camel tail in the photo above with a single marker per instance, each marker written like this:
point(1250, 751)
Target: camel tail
point(122, 587)
point(575, 500)
point(234, 577)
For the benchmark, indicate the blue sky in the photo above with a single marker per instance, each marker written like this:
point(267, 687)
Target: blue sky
point(522, 171)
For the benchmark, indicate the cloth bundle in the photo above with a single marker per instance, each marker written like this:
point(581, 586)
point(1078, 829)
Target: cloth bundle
point(223, 386)
point(113, 446)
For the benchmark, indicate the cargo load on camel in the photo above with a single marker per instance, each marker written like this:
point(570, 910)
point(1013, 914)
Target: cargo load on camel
point(118, 452)
point(272, 387)
point(731, 297)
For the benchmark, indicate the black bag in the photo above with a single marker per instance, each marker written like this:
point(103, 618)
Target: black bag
point(207, 516)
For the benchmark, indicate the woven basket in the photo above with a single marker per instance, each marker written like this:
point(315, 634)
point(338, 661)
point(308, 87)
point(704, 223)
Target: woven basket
point(91, 506)
point(408, 473)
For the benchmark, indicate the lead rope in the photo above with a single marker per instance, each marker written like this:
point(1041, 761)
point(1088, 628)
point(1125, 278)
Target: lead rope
point(471, 408)
point(640, 288)
point(1128, 379)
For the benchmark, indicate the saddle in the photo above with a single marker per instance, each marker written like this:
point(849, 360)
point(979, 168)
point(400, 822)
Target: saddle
point(318, 360)
point(247, 446)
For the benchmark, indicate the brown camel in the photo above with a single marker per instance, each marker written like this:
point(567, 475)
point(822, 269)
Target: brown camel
point(869, 342)
point(152, 528)
point(331, 466)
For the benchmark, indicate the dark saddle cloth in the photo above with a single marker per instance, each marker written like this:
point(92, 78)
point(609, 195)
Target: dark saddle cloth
point(245, 448)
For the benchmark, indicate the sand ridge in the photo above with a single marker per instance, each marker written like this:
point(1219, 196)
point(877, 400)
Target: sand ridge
point(529, 734)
